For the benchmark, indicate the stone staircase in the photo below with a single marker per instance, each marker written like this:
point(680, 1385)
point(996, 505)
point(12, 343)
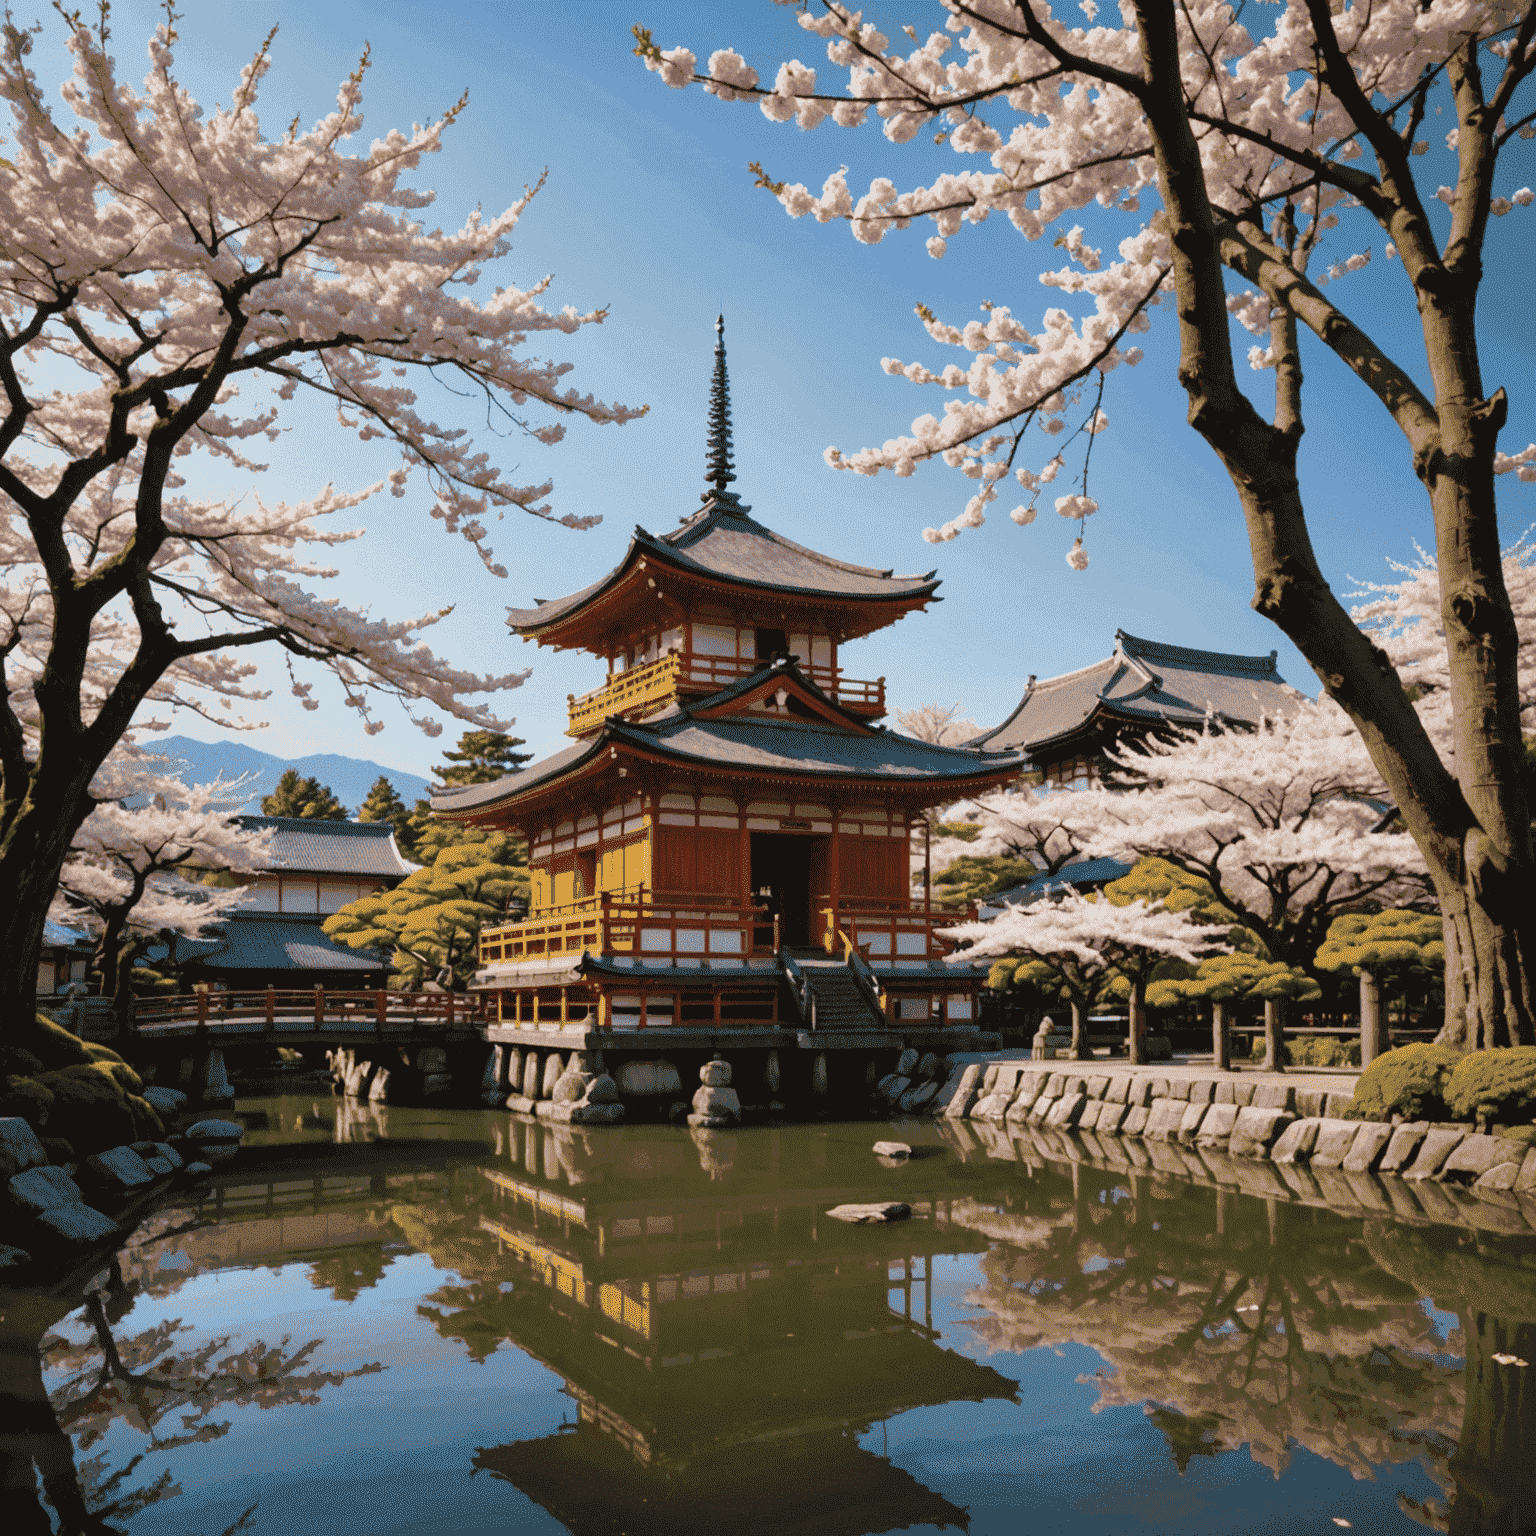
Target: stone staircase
point(841, 1003)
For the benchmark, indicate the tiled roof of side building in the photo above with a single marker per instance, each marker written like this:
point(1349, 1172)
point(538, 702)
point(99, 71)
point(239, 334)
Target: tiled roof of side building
point(723, 542)
point(1083, 875)
point(274, 943)
point(1150, 680)
point(331, 847)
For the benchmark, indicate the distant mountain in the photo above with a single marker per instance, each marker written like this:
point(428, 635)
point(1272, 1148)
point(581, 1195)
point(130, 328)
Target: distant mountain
point(350, 777)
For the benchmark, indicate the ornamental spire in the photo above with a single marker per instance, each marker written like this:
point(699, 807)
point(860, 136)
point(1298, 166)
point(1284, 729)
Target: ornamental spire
point(718, 469)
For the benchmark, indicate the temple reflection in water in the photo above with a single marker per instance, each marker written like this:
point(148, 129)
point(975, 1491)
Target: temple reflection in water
point(730, 1354)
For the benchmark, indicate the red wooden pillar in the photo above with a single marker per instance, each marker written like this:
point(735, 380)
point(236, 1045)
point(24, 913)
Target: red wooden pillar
point(834, 880)
point(271, 1007)
point(202, 1007)
point(380, 1006)
point(319, 1006)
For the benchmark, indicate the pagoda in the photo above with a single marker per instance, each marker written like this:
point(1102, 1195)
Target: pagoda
point(721, 859)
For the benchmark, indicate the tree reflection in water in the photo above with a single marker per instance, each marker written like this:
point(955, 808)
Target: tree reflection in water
point(727, 1349)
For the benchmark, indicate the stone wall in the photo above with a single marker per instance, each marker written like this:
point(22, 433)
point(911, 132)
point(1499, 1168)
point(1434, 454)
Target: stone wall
point(1275, 1140)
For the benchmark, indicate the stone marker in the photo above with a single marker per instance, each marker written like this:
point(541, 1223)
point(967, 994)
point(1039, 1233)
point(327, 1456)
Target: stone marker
point(866, 1215)
point(715, 1103)
point(892, 1149)
point(41, 1189)
point(120, 1169)
point(1473, 1157)
point(1405, 1141)
point(1296, 1141)
point(1438, 1144)
point(1370, 1145)
point(1257, 1130)
point(19, 1147)
point(1334, 1139)
point(76, 1224)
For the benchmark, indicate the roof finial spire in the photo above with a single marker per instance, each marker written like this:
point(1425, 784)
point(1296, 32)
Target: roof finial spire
point(718, 469)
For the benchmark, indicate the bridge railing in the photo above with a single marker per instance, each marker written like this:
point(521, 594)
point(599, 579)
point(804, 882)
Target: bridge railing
point(314, 1008)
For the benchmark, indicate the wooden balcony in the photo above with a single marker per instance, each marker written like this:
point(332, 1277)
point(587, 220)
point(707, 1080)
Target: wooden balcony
point(664, 928)
point(891, 935)
point(654, 682)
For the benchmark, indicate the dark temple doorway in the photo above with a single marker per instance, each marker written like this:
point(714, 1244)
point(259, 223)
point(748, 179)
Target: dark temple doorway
point(781, 881)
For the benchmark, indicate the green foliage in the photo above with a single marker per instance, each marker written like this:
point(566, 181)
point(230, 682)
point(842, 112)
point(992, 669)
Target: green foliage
point(1028, 978)
point(1313, 1051)
point(1224, 978)
point(961, 831)
point(383, 803)
point(75, 1090)
point(51, 1044)
point(1152, 879)
point(432, 918)
point(1398, 942)
point(974, 875)
point(1492, 1085)
point(306, 799)
point(1409, 1081)
point(482, 758)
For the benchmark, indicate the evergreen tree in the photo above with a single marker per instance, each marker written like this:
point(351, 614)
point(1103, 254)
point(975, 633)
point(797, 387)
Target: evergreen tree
point(481, 758)
point(384, 804)
point(307, 799)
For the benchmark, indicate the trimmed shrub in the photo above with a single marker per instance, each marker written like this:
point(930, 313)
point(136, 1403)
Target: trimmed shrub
point(92, 1109)
point(1494, 1085)
point(1313, 1051)
point(1409, 1081)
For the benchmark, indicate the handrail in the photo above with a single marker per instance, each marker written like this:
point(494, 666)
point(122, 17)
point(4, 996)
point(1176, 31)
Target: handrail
point(799, 987)
point(868, 982)
point(312, 1008)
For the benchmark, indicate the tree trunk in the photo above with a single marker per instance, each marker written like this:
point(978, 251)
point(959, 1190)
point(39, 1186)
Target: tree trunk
point(1372, 1039)
point(1080, 1051)
point(1274, 1034)
point(1221, 1041)
point(1136, 1045)
point(32, 853)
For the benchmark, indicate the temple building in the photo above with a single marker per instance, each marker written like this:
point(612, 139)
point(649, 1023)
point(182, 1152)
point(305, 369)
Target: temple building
point(275, 939)
point(722, 854)
point(1066, 724)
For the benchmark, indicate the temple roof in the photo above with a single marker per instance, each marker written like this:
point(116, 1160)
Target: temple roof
point(721, 542)
point(269, 941)
point(331, 847)
point(766, 744)
point(1145, 680)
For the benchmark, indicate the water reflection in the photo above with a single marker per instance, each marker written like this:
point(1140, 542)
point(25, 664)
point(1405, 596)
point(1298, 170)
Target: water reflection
point(726, 1349)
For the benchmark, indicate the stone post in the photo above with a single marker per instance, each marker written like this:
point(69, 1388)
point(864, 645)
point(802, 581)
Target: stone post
point(1372, 1036)
point(1080, 1050)
point(1221, 1041)
point(1274, 1034)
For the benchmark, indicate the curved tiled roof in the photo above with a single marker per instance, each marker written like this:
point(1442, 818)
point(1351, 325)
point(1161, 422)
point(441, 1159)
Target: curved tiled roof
point(331, 847)
point(272, 942)
point(767, 743)
point(1147, 680)
point(723, 543)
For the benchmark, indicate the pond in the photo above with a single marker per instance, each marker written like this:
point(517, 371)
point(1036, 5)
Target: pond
point(385, 1319)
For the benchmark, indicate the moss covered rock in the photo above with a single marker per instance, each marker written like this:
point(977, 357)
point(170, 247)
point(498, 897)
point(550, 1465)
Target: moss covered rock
point(1494, 1085)
point(1409, 1081)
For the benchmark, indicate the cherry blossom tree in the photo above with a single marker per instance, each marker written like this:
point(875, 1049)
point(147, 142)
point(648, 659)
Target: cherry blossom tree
point(131, 869)
point(173, 282)
point(1083, 940)
point(1235, 143)
point(1287, 824)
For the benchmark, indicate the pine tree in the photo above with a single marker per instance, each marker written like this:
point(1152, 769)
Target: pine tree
point(306, 799)
point(481, 758)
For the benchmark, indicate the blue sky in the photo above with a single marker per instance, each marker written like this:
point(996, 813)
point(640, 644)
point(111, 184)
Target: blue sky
point(650, 210)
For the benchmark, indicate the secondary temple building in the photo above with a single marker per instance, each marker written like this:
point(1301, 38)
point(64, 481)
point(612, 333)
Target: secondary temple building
point(1066, 724)
point(721, 858)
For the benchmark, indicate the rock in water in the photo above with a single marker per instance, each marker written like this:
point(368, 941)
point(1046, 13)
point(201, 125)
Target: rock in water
point(871, 1215)
point(77, 1224)
point(216, 1140)
point(892, 1149)
point(165, 1101)
point(120, 1169)
point(41, 1189)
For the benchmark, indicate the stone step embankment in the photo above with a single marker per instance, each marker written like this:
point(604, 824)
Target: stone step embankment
point(1267, 1138)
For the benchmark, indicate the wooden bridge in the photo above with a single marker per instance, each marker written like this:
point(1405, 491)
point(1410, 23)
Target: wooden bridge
point(295, 1018)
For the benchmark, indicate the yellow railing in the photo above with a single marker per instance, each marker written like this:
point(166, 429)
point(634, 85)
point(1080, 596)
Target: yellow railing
point(661, 925)
point(887, 933)
point(654, 682)
point(651, 683)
